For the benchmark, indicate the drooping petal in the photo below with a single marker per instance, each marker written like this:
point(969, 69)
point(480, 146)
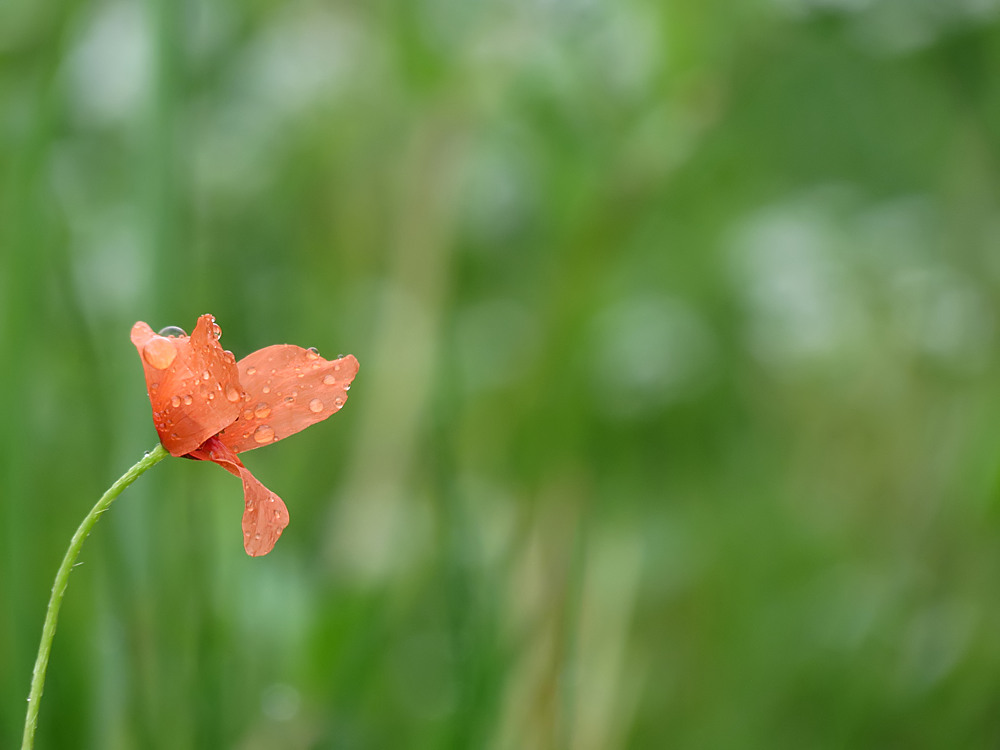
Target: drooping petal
point(193, 384)
point(288, 388)
point(265, 515)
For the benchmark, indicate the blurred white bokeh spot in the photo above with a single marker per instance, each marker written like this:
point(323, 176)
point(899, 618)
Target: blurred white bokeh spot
point(661, 349)
point(800, 302)
point(940, 313)
point(280, 702)
point(109, 67)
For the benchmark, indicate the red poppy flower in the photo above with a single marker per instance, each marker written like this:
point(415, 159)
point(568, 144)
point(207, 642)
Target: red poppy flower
point(209, 407)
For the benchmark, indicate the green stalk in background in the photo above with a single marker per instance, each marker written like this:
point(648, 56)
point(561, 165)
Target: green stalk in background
point(62, 580)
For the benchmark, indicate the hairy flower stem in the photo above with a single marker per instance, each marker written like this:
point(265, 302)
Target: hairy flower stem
point(62, 579)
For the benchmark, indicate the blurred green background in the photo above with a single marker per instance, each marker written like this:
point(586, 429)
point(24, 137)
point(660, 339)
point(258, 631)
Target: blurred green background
point(678, 419)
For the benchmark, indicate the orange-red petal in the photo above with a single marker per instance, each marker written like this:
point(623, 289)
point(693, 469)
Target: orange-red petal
point(265, 515)
point(193, 384)
point(288, 388)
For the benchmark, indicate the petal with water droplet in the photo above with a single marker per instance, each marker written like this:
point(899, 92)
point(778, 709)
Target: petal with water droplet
point(159, 352)
point(180, 389)
point(298, 389)
point(265, 515)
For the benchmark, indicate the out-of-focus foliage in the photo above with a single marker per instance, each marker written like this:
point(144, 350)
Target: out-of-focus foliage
point(678, 419)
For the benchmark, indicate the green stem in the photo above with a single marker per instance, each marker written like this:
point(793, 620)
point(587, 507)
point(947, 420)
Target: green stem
point(62, 579)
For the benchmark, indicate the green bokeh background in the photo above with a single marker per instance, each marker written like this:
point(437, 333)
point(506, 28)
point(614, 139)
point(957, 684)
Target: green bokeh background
point(678, 418)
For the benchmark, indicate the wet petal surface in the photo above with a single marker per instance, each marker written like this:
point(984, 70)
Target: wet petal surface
point(288, 388)
point(264, 515)
point(190, 381)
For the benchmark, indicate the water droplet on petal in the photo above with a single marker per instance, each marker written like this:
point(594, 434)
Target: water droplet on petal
point(206, 375)
point(248, 414)
point(230, 357)
point(159, 352)
point(266, 389)
point(262, 411)
point(251, 370)
point(232, 393)
point(216, 331)
point(175, 401)
point(329, 380)
point(187, 400)
point(315, 405)
point(172, 331)
point(246, 534)
point(338, 401)
point(263, 434)
point(312, 352)
point(211, 396)
point(257, 535)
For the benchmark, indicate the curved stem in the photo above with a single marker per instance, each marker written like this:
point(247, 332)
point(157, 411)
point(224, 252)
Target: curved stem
point(62, 579)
